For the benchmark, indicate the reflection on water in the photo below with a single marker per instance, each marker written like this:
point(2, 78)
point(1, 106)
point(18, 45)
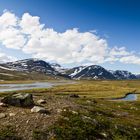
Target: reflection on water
point(128, 97)
point(14, 87)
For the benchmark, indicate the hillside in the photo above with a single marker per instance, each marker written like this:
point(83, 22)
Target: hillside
point(39, 69)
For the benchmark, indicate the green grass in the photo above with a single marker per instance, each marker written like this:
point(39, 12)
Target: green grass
point(8, 133)
point(95, 120)
point(96, 89)
point(91, 117)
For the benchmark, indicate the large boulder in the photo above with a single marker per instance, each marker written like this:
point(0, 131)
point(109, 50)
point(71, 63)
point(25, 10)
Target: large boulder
point(20, 99)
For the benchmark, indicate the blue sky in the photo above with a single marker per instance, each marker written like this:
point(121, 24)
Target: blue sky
point(116, 21)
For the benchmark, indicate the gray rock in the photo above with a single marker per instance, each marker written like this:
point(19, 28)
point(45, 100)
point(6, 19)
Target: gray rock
point(20, 99)
point(12, 114)
point(38, 109)
point(74, 95)
point(2, 115)
point(3, 105)
point(41, 101)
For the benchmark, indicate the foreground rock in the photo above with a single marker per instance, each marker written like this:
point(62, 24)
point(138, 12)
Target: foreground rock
point(41, 101)
point(3, 105)
point(38, 109)
point(2, 115)
point(20, 100)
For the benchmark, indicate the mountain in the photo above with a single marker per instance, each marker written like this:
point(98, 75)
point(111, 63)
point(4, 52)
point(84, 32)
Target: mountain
point(30, 65)
point(58, 68)
point(138, 76)
point(90, 72)
point(39, 69)
point(29, 69)
point(120, 74)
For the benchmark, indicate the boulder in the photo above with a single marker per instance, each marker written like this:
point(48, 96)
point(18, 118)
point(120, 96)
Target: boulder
point(20, 100)
point(41, 101)
point(39, 109)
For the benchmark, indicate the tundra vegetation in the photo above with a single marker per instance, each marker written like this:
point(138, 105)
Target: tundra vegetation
point(89, 115)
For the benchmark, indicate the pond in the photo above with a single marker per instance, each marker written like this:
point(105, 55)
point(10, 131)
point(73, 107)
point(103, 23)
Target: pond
point(14, 87)
point(128, 97)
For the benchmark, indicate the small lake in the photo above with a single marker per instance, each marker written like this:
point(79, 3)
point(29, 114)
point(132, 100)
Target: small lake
point(15, 87)
point(128, 97)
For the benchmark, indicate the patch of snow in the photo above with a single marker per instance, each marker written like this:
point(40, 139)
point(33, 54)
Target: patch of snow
point(7, 68)
point(6, 74)
point(77, 70)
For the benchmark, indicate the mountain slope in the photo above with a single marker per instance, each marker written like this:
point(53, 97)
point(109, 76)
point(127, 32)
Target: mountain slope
point(120, 74)
point(39, 69)
point(29, 69)
point(91, 72)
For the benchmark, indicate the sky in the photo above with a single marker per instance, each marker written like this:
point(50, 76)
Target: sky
point(72, 32)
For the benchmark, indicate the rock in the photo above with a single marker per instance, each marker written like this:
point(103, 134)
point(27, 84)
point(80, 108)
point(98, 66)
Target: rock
point(74, 112)
point(59, 110)
point(74, 95)
point(20, 99)
point(38, 109)
point(104, 135)
point(2, 115)
point(41, 101)
point(12, 114)
point(3, 105)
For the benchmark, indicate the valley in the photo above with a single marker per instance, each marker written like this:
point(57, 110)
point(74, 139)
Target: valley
point(43, 101)
point(74, 111)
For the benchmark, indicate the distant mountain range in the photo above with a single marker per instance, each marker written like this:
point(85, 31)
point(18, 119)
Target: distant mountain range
point(39, 69)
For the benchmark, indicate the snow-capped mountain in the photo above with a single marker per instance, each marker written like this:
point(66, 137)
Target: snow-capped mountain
point(30, 65)
point(91, 72)
point(56, 70)
point(121, 74)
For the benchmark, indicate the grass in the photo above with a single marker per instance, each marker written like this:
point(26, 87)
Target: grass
point(94, 89)
point(95, 119)
point(8, 133)
point(90, 116)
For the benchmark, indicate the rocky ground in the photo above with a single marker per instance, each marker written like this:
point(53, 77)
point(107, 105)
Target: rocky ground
point(63, 113)
point(24, 121)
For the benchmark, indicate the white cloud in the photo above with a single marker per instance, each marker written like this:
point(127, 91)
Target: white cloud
point(131, 59)
point(5, 58)
point(72, 46)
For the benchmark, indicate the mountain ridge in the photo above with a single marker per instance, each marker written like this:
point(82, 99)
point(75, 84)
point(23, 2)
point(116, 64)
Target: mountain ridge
point(56, 70)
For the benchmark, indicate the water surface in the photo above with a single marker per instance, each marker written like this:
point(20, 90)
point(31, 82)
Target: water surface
point(14, 87)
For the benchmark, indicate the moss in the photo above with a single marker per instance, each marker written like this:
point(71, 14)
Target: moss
point(8, 133)
point(40, 135)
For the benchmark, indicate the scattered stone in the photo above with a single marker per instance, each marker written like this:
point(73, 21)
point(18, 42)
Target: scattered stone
point(66, 118)
point(88, 101)
point(59, 110)
point(74, 112)
point(41, 101)
point(2, 115)
point(38, 109)
point(12, 114)
point(104, 135)
point(74, 95)
point(3, 105)
point(20, 100)
point(133, 108)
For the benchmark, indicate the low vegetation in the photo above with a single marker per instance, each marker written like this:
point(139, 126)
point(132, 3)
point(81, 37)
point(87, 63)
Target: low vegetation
point(91, 116)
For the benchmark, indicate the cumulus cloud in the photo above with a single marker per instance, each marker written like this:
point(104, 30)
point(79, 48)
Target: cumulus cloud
point(5, 58)
point(71, 46)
